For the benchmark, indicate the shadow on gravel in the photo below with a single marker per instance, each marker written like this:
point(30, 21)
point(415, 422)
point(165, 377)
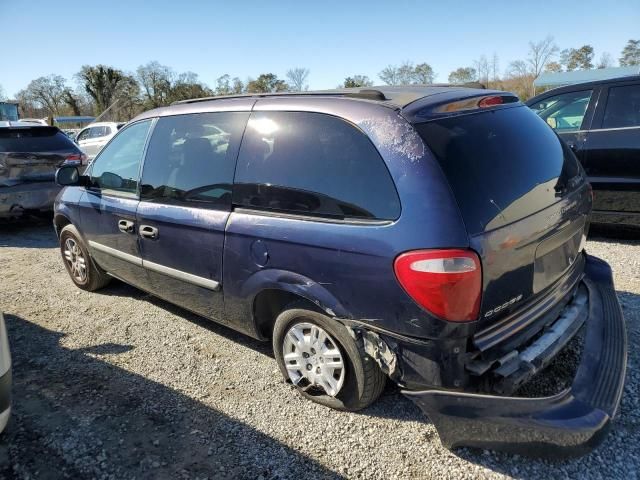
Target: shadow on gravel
point(76, 416)
point(614, 233)
point(29, 233)
point(392, 404)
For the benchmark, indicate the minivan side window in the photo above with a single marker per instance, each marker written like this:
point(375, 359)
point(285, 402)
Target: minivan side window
point(623, 107)
point(191, 159)
point(564, 112)
point(313, 164)
point(118, 164)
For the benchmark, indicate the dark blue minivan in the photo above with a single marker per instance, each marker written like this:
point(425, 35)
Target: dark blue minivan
point(430, 235)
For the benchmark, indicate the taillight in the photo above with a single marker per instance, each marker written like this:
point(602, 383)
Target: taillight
point(76, 157)
point(447, 283)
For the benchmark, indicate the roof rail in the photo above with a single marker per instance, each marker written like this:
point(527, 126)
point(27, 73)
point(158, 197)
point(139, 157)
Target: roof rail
point(365, 93)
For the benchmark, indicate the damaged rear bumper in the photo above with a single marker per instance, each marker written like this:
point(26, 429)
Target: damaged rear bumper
point(27, 197)
point(570, 423)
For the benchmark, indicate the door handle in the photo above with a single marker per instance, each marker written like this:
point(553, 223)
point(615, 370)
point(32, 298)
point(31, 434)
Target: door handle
point(126, 226)
point(148, 231)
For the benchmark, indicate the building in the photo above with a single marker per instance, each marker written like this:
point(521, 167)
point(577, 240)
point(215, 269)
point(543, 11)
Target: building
point(557, 79)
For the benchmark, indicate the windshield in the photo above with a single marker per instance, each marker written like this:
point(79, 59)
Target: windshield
point(9, 111)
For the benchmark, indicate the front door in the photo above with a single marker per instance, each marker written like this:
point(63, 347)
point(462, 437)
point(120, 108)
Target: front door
point(569, 114)
point(108, 207)
point(185, 204)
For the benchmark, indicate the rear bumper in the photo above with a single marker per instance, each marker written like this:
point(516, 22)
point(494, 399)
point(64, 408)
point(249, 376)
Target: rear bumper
point(570, 423)
point(25, 197)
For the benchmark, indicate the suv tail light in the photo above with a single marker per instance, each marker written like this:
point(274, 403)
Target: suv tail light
point(76, 157)
point(447, 283)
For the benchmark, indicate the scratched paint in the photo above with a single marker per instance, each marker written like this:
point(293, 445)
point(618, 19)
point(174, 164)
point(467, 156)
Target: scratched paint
point(396, 135)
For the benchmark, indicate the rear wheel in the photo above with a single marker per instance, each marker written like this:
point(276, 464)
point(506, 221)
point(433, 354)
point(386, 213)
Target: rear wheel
point(324, 363)
point(79, 264)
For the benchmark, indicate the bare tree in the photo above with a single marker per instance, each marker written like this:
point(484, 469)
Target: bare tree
point(298, 79)
point(407, 74)
point(483, 69)
point(2, 95)
point(390, 75)
point(605, 61)
point(47, 93)
point(156, 81)
point(495, 68)
point(540, 53)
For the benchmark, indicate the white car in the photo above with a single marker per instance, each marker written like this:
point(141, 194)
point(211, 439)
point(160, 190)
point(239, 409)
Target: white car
point(5, 376)
point(93, 137)
point(38, 121)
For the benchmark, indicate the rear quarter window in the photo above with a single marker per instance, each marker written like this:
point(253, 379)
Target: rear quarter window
point(312, 164)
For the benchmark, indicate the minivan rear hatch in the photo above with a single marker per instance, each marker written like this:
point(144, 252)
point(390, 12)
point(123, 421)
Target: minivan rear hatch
point(523, 197)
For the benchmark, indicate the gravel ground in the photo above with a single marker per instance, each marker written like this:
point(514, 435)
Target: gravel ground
point(118, 384)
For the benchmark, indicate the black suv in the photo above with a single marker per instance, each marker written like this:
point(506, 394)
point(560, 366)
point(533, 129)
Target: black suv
point(601, 123)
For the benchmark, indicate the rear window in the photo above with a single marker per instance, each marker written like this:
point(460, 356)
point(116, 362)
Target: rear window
point(39, 139)
point(502, 164)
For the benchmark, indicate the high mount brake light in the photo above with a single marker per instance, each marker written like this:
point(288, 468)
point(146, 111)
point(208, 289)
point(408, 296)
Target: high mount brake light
point(475, 103)
point(490, 102)
point(447, 283)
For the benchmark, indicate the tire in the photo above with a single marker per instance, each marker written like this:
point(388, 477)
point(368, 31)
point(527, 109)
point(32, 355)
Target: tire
point(363, 380)
point(94, 278)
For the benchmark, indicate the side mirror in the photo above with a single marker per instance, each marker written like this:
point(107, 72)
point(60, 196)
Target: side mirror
point(69, 175)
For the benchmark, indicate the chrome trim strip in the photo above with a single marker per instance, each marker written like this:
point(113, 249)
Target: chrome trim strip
point(180, 275)
point(127, 257)
point(156, 267)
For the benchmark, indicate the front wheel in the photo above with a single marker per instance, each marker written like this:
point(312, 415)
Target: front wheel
point(325, 364)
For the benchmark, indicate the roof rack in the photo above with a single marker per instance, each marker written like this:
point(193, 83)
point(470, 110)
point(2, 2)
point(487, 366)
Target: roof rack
point(398, 96)
point(365, 93)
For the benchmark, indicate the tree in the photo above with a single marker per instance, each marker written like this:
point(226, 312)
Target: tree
point(389, 75)
point(463, 75)
point(423, 74)
point(47, 93)
point(541, 53)
point(101, 84)
point(187, 86)
point(266, 83)
point(156, 81)
point(223, 86)
point(605, 61)
point(2, 96)
point(519, 79)
point(554, 67)
point(298, 79)
point(407, 74)
point(483, 69)
point(237, 86)
point(577, 58)
point(630, 54)
point(357, 81)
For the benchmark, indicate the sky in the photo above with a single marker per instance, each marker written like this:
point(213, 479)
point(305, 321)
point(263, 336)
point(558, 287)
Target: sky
point(333, 39)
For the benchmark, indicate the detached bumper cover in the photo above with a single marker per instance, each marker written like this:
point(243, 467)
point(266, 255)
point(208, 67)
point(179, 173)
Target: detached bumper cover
point(570, 423)
point(37, 196)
